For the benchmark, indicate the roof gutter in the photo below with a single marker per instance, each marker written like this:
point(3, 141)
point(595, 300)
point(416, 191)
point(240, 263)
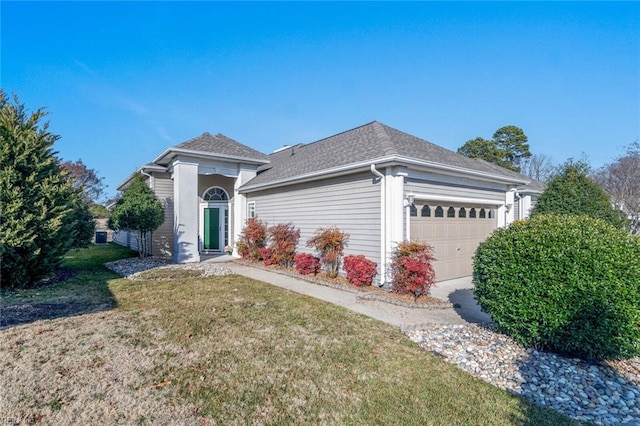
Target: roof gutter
point(140, 170)
point(461, 170)
point(385, 161)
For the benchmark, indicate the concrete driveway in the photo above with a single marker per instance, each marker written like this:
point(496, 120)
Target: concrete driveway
point(459, 291)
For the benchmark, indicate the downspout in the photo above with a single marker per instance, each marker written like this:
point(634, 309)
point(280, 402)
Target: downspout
point(151, 180)
point(383, 226)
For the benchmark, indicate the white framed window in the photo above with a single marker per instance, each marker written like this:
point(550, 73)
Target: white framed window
point(251, 209)
point(215, 193)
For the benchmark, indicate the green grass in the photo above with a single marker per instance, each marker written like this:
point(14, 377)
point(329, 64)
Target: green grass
point(89, 286)
point(245, 352)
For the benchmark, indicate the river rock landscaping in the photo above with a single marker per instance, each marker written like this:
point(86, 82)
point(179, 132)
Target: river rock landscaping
point(132, 268)
point(602, 393)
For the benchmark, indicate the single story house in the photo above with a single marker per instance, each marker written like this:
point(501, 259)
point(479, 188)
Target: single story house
point(374, 182)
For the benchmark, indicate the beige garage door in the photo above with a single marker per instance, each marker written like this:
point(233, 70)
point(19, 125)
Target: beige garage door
point(454, 231)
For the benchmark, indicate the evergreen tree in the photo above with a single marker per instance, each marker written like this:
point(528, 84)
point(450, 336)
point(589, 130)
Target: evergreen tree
point(507, 148)
point(573, 192)
point(83, 221)
point(36, 201)
point(138, 210)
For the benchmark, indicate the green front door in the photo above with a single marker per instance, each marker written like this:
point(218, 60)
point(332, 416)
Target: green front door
point(212, 228)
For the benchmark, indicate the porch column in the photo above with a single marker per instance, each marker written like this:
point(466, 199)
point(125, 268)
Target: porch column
point(185, 212)
point(506, 211)
point(240, 204)
point(395, 215)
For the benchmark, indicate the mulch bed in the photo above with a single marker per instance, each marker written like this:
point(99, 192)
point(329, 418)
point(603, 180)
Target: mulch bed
point(366, 292)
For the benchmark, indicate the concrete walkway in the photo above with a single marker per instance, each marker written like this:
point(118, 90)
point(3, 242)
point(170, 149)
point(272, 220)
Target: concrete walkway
point(458, 291)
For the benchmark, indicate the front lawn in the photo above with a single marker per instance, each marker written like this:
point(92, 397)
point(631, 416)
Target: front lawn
point(231, 350)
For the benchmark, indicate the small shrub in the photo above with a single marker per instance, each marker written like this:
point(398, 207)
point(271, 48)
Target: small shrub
point(411, 268)
point(267, 256)
point(360, 270)
point(566, 283)
point(282, 246)
point(252, 239)
point(306, 264)
point(329, 243)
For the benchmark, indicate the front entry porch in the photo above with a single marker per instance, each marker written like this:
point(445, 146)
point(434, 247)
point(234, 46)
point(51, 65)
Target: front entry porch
point(209, 211)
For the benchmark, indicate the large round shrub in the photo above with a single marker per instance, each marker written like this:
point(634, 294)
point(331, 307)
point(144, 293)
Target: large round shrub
point(565, 283)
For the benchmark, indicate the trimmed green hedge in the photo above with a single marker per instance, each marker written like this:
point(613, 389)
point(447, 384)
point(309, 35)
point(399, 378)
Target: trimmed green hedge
point(566, 283)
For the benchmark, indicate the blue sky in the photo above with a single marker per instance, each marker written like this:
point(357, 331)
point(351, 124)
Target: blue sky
point(122, 81)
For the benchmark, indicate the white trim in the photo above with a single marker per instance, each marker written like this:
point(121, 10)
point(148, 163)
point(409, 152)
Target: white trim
point(202, 154)
point(461, 200)
point(383, 225)
point(251, 205)
point(384, 162)
point(215, 187)
point(222, 206)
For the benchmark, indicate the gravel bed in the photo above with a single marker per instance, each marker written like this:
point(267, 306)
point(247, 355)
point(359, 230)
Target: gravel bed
point(607, 393)
point(132, 267)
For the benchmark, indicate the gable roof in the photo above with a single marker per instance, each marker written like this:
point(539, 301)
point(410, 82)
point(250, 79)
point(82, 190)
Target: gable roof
point(368, 144)
point(215, 146)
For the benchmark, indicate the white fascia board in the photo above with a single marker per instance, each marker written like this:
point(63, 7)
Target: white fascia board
point(316, 175)
point(529, 191)
point(385, 162)
point(461, 200)
point(201, 154)
point(149, 167)
point(460, 171)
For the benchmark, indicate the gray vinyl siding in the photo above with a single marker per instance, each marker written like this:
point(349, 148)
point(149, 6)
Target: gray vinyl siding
point(162, 238)
point(433, 188)
point(121, 237)
point(352, 203)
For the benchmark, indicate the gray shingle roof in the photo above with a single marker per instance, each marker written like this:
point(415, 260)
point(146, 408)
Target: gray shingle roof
point(221, 144)
point(365, 143)
point(533, 186)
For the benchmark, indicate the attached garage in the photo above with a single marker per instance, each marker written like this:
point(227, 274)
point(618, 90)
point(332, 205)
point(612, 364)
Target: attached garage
point(454, 231)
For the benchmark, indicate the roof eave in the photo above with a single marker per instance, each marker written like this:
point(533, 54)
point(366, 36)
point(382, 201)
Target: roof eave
point(143, 169)
point(172, 152)
point(463, 171)
point(384, 162)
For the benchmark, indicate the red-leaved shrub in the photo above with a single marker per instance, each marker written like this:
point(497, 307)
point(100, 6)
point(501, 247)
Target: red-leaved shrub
point(411, 268)
point(252, 239)
point(267, 256)
point(360, 270)
point(329, 243)
point(283, 239)
point(306, 264)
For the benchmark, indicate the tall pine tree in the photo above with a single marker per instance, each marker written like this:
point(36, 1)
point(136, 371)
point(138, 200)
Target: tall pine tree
point(36, 201)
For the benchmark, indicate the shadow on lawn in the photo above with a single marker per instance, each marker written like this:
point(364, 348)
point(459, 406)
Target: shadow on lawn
point(26, 313)
point(80, 286)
